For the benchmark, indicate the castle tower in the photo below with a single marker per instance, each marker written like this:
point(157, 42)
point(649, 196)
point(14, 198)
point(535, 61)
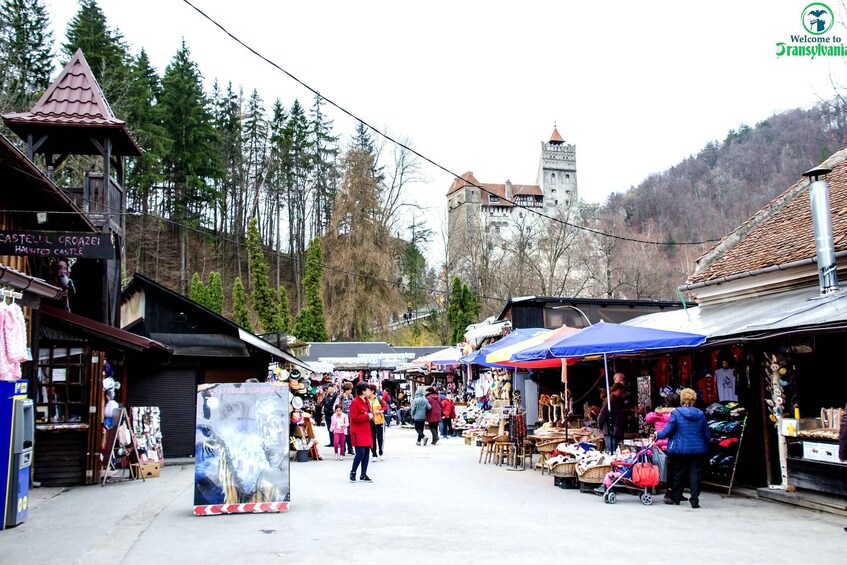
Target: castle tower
point(464, 212)
point(557, 174)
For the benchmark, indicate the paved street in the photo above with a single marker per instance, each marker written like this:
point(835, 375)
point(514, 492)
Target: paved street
point(426, 503)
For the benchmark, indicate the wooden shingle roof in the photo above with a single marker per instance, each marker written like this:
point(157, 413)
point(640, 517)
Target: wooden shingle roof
point(74, 99)
point(780, 233)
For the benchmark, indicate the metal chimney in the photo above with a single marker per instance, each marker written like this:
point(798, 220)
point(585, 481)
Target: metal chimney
point(822, 219)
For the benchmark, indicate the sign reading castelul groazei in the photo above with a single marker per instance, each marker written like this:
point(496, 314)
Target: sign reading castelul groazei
point(56, 244)
point(817, 20)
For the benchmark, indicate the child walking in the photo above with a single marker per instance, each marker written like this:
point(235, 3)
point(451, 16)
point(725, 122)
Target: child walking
point(339, 426)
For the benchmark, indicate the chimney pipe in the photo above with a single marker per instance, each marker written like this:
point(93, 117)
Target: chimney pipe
point(508, 190)
point(822, 219)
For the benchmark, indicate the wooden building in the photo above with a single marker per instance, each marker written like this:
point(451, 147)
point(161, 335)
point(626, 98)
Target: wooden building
point(62, 246)
point(207, 348)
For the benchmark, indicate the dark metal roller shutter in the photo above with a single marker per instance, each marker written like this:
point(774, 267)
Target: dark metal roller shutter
point(174, 391)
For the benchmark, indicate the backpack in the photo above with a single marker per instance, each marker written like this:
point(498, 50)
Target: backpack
point(645, 474)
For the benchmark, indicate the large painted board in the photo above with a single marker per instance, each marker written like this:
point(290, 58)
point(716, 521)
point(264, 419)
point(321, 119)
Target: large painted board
point(241, 449)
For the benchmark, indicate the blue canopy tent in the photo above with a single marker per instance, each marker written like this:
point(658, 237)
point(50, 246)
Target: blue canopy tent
point(606, 339)
point(515, 336)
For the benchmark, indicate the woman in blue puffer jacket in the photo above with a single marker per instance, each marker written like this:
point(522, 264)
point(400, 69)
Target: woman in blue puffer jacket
point(688, 440)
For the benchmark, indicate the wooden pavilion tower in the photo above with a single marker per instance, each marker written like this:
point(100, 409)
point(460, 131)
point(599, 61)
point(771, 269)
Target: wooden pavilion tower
point(72, 117)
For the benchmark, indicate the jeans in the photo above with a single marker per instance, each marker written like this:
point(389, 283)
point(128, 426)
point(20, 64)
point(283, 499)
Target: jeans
point(447, 427)
point(433, 429)
point(691, 465)
point(419, 427)
point(377, 433)
point(363, 455)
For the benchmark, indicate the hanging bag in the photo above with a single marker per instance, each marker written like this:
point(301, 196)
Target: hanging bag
point(645, 474)
point(660, 460)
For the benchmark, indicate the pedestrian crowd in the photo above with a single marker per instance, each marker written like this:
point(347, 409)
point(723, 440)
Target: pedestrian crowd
point(356, 417)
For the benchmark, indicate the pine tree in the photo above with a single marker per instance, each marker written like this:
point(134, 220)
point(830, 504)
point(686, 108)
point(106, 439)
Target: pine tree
point(324, 156)
point(230, 214)
point(277, 176)
point(215, 293)
point(198, 292)
point(26, 52)
point(144, 115)
point(298, 169)
point(311, 324)
point(255, 148)
point(192, 163)
point(240, 311)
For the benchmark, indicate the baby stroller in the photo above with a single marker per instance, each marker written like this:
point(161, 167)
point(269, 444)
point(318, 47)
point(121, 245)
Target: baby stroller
point(637, 477)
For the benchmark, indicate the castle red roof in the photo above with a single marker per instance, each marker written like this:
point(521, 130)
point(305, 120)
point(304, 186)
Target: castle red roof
point(461, 182)
point(499, 190)
point(73, 100)
point(556, 137)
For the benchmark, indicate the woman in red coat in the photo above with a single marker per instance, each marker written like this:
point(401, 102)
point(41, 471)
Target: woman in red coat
point(360, 431)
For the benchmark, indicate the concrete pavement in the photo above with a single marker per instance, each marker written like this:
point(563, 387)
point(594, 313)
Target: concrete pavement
point(426, 504)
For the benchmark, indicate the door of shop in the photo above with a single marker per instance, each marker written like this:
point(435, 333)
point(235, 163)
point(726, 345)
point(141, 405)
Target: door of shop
point(174, 391)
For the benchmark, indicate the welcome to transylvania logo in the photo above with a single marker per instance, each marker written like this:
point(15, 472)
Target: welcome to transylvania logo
point(817, 19)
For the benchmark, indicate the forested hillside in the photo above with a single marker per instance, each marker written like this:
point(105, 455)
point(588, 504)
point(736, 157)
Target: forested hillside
point(711, 193)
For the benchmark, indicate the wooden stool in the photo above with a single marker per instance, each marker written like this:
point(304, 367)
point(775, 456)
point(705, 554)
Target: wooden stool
point(503, 450)
point(526, 451)
point(487, 448)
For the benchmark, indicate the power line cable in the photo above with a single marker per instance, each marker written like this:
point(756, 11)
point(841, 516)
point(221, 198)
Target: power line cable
point(427, 159)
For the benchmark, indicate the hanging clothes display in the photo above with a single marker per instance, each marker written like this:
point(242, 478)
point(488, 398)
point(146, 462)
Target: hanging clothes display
point(725, 378)
point(13, 348)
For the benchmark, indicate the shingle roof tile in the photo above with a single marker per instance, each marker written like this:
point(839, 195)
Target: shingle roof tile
point(781, 232)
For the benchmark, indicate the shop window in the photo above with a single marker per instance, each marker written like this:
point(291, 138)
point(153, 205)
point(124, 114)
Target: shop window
point(62, 386)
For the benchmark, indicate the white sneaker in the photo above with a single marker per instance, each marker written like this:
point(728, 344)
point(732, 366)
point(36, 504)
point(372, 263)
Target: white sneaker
point(336, 457)
point(375, 459)
point(381, 458)
point(341, 458)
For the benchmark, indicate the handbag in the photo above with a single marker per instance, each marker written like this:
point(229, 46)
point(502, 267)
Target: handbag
point(660, 460)
point(645, 474)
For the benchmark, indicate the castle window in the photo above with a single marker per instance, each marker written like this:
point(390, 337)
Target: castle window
point(567, 176)
point(553, 191)
point(492, 198)
point(553, 177)
point(556, 202)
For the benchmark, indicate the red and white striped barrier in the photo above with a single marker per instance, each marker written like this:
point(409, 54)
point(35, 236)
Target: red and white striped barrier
point(216, 509)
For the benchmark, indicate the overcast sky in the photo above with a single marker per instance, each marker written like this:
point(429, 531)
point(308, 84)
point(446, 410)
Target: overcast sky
point(637, 86)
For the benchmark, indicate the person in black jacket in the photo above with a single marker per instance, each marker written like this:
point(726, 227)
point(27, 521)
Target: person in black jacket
point(328, 409)
point(613, 420)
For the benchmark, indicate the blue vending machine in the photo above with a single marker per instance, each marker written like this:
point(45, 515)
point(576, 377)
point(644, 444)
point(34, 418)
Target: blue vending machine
point(17, 434)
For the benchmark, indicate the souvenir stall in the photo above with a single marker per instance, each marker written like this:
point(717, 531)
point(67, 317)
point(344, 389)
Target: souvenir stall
point(303, 444)
point(805, 411)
